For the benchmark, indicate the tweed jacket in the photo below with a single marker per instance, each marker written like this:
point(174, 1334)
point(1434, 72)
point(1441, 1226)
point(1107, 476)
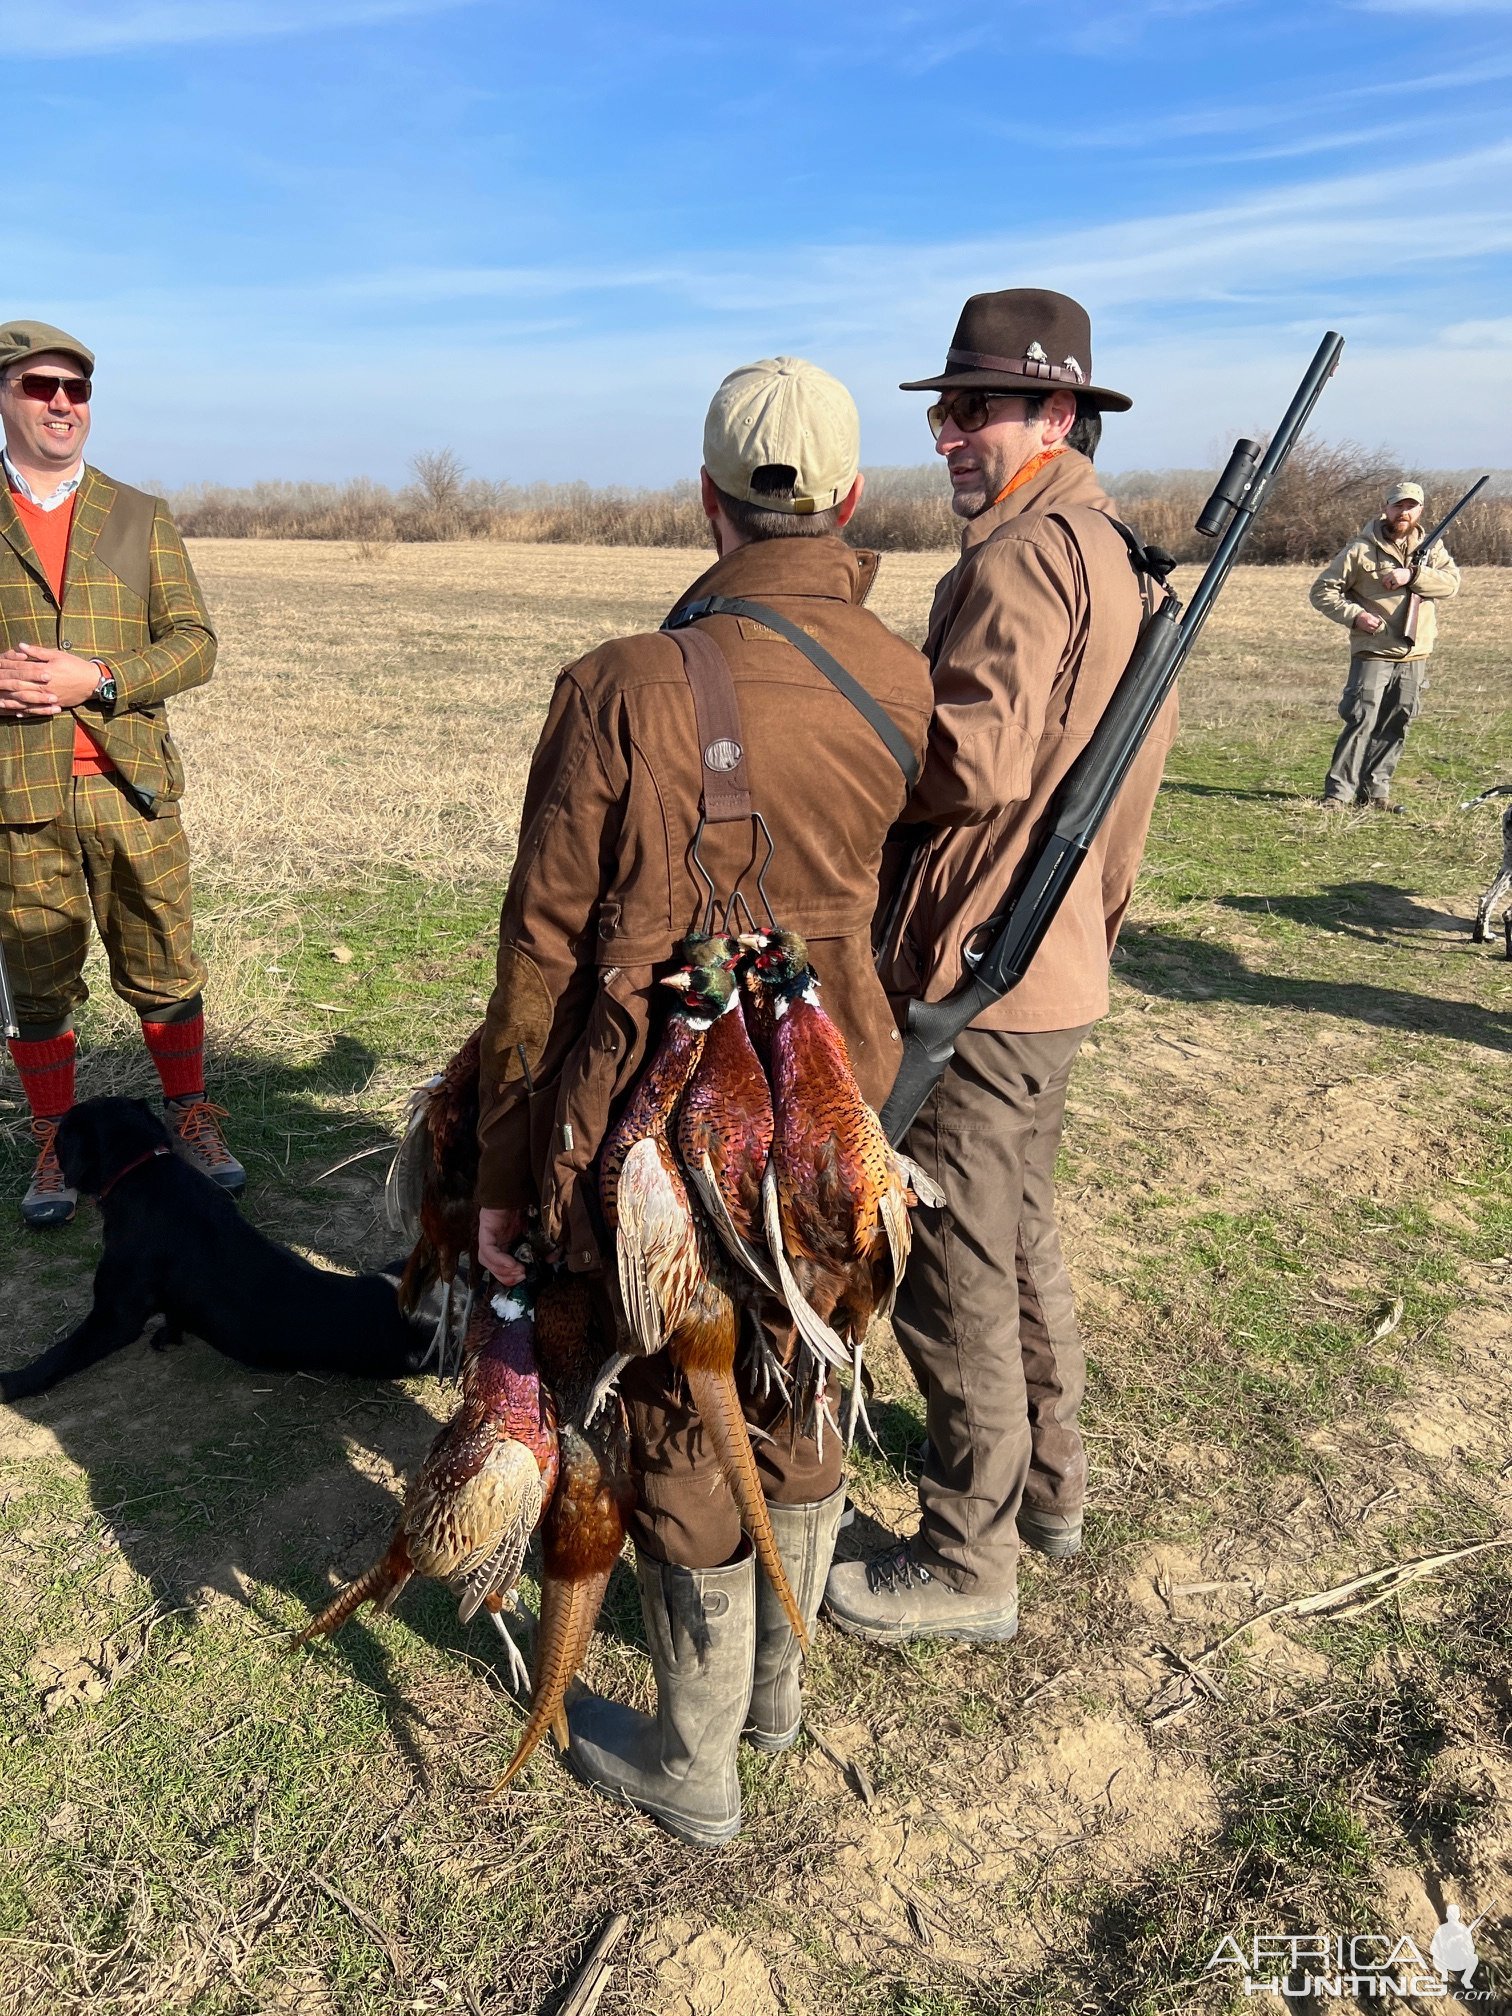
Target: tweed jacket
point(130, 599)
point(603, 886)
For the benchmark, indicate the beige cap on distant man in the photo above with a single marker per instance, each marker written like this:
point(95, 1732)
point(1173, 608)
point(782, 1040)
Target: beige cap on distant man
point(22, 340)
point(783, 413)
point(1405, 493)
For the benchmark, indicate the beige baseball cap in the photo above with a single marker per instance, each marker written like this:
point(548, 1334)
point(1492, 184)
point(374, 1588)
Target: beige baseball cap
point(786, 413)
point(1405, 493)
point(22, 340)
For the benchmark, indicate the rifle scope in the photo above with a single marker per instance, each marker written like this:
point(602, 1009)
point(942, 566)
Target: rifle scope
point(1231, 489)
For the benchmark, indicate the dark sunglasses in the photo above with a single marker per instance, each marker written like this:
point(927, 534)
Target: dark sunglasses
point(970, 411)
point(38, 385)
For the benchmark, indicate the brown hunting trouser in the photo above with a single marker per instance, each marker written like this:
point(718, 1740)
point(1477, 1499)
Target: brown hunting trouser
point(685, 1512)
point(985, 1315)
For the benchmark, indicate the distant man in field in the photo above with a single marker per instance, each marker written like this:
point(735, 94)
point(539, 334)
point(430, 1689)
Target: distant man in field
point(100, 621)
point(1029, 634)
point(604, 885)
point(1384, 589)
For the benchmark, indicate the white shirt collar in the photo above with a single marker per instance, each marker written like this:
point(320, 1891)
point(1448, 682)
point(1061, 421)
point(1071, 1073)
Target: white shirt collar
point(19, 484)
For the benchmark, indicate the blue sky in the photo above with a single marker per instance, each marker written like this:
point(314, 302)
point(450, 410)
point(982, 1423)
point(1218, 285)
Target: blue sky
point(309, 238)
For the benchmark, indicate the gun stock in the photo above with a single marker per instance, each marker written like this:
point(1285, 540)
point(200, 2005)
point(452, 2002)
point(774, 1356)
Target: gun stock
point(1165, 642)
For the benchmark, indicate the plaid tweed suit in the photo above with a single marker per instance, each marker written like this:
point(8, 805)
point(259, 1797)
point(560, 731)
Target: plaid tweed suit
point(109, 846)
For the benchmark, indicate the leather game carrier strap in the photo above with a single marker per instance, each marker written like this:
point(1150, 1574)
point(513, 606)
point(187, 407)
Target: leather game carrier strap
point(721, 740)
point(823, 661)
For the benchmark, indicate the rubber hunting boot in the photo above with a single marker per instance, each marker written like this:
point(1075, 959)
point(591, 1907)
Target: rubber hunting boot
point(678, 1765)
point(806, 1541)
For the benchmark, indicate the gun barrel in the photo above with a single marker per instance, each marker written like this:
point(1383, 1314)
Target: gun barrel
point(8, 1023)
point(1449, 516)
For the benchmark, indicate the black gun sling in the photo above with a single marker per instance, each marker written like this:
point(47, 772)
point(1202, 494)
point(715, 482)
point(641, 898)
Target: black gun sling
point(822, 660)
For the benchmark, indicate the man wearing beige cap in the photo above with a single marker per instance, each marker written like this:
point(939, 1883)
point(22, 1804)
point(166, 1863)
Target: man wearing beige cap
point(608, 878)
point(1030, 633)
point(1383, 588)
point(101, 621)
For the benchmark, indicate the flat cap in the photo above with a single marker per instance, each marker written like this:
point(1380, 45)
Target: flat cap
point(20, 341)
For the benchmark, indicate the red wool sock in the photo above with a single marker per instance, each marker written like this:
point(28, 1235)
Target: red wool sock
point(47, 1072)
point(178, 1050)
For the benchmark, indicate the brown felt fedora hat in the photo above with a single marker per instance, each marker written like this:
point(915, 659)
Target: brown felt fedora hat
point(1024, 339)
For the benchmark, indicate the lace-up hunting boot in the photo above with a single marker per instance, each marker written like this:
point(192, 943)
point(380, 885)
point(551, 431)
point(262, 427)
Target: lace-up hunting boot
point(678, 1765)
point(48, 1200)
point(805, 1536)
point(197, 1138)
point(893, 1597)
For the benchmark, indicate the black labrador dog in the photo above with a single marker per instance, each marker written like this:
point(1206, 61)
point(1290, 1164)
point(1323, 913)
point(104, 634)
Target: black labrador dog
point(178, 1247)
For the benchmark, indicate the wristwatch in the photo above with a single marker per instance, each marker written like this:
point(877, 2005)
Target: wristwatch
point(104, 695)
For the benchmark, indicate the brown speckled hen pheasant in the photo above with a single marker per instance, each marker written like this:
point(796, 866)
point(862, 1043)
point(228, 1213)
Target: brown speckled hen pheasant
point(430, 1191)
point(837, 1194)
point(477, 1497)
point(584, 1528)
point(677, 1283)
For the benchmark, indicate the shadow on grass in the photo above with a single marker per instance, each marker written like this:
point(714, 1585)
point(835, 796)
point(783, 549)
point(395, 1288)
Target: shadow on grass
point(1279, 795)
point(1369, 910)
point(218, 1480)
point(1190, 969)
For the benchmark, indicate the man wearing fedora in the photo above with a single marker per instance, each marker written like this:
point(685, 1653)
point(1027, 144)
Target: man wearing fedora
point(1029, 634)
point(100, 621)
point(1384, 589)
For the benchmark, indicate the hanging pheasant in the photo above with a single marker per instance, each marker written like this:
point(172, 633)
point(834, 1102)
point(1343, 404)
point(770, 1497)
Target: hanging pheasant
point(430, 1196)
point(478, 1496)
point(584, 1528)
point(836, 1194)
point(677, 1284)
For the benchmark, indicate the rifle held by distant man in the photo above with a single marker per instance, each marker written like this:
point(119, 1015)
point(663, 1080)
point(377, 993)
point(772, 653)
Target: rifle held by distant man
point(1414, 600)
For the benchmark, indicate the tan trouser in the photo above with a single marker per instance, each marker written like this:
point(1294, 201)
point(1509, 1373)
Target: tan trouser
point(985, 1314)
point(685, 1512)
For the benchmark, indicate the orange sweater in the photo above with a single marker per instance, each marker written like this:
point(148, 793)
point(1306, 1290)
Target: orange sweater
point(48, 532)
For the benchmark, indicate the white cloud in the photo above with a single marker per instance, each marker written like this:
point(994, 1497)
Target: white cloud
point(104, 27)
point(1493, 335)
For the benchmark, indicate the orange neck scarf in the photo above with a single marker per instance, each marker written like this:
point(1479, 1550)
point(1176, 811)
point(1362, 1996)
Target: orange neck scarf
point(1030, 470)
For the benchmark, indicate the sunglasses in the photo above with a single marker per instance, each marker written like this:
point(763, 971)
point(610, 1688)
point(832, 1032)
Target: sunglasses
point(39, 386)
point(970, 411)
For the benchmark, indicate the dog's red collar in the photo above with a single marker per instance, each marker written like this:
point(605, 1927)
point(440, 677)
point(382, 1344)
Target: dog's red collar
point(126, 1169)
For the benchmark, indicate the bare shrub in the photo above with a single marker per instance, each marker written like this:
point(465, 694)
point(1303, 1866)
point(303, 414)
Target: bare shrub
point(1327, 492)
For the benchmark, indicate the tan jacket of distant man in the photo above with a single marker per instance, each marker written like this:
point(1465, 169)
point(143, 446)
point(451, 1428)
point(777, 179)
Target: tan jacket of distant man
point(1352, 581)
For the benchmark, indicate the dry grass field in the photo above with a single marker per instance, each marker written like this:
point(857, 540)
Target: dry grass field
point(1285, 1193)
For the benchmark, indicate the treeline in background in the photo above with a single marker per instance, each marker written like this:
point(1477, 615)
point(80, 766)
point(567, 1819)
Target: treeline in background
point(1326, 493)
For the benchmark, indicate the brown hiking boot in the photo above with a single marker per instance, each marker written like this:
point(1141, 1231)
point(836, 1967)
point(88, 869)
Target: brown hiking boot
point(197, 1138)
point(48, 1201)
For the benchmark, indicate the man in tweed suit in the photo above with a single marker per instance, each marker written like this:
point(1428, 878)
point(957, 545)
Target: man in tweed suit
point(100, 621)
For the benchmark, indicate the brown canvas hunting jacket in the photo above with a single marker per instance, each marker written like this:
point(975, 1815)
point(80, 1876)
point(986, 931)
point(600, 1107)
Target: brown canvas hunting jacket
point(1352, 581)
point(603, 885)
point(1030, 632)
point(130, 599)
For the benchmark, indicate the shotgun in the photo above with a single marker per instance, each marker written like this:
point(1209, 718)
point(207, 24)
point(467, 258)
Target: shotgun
point(1165, 641)
point(1425, 547)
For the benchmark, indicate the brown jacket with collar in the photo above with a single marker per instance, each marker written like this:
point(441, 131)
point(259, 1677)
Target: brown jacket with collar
point(130, 599)
point(1029, 634)
point(603, 886)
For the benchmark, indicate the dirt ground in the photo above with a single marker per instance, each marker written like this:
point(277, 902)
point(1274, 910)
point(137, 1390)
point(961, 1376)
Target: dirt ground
point(1284, 1204)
